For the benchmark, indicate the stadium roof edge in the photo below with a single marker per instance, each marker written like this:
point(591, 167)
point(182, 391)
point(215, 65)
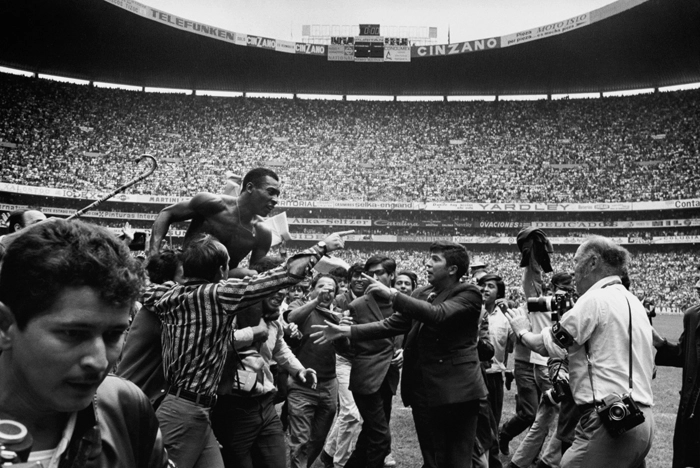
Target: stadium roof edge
point(626, 45)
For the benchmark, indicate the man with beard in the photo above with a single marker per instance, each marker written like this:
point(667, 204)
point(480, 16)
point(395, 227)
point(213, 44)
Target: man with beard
point(235, 221)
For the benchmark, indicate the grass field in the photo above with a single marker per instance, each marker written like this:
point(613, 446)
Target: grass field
point(666, 387)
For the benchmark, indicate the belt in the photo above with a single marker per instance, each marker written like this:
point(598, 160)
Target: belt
point(198, 398)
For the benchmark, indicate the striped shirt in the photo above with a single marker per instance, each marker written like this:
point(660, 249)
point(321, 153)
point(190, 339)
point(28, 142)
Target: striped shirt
point(197, 320)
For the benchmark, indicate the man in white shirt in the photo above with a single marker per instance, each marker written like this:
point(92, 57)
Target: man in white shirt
point(608, 326)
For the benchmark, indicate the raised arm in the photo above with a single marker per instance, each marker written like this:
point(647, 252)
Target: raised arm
point(467, 301)
point(176, 213)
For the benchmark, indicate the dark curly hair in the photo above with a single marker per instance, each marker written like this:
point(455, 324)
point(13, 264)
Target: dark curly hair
point(163, 266)
point(58, 254)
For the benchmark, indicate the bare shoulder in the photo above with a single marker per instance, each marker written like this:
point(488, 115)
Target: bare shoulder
point(208, 202)
point(261, 226)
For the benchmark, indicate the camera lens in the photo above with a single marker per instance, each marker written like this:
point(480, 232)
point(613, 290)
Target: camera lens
point(618, 411)
point(539, 304)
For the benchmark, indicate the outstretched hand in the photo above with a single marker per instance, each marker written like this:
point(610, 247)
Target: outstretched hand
point(330, 332)
point(376, 288)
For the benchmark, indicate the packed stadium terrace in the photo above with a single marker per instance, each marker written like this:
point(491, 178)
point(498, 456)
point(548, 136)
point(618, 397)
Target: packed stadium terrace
point(330, 150)
point(638, 148)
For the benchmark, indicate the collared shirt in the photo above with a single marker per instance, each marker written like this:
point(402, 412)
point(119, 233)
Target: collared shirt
point(274, 348)
point(197, 319)
point(601, 319)
point(499, 333)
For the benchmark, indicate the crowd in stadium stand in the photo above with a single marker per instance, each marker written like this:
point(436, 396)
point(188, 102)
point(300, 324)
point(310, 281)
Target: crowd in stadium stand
point(619, 149)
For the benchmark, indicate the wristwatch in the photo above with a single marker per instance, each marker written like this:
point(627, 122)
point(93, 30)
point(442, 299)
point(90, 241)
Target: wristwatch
point(324, 248)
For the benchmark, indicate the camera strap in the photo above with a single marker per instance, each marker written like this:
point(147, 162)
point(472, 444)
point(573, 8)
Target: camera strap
point(587, 348)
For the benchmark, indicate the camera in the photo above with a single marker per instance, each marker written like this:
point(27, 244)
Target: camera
point(558, 304)
point(15, 444)
point(619, 413)
point(559, 391)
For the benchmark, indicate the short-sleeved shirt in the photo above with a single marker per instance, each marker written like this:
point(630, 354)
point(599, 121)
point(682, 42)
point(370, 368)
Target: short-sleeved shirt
point(601, 318)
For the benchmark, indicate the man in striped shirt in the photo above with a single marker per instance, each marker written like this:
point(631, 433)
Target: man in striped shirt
point(197, 318)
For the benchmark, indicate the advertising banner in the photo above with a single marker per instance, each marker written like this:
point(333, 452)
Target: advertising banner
point(373, 205)
point(287, 47)
point(458, 48)
point(546, 30)
point(500, 224)
point(397, 53)
point(262, 42)
point(310, 49)
point(329, 222)
point(677, 240)
point(341, 53)
point(533, 207)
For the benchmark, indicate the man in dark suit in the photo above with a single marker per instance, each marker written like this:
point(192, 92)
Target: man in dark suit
point(685, 354)
point(373, 378)
point(442, 379)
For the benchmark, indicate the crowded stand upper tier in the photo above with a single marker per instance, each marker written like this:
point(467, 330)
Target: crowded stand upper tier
point(369, 151)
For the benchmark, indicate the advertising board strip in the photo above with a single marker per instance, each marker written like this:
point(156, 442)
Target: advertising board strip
point(398, 55)
point(693, 203)
point(547, 30)
point(457, 48)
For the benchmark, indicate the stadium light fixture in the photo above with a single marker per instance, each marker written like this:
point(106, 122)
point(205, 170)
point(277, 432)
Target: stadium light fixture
point(523, 97)
point(680, 87)
point(201, 92)
point(419, 98)
point(63, 79)
point(370, 98)
point(471, 98)
point(14, 71)
point(150, 89)
point(271, 95)
point(100, 84)
point(575, 96)
point(325, 97)
point(629, 92)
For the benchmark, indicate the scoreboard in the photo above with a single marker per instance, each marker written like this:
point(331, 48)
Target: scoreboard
point(369, 46)
point(371, 50)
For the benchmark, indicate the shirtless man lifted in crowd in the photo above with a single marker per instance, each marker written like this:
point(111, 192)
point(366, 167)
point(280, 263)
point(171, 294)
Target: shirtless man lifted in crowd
point(235, 221)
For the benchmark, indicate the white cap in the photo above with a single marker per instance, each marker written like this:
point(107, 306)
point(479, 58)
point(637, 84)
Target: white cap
point(697, 285)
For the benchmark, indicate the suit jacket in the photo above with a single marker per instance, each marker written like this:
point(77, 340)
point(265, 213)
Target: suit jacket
point(441, 364)
point(343, 300)
point(371, 360)
point(686, 354)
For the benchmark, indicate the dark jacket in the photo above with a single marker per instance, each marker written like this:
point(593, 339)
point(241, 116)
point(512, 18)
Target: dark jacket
point(371, 360)
point(686, 354)
point(441, 364)
point(343, 300)
point(119, 430)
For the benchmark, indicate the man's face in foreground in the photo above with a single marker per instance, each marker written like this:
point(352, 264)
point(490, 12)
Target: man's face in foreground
point(60, 358)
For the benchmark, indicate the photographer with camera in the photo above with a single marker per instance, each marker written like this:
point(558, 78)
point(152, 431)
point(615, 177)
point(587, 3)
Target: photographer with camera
point(544, 312)
point(609, 341)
